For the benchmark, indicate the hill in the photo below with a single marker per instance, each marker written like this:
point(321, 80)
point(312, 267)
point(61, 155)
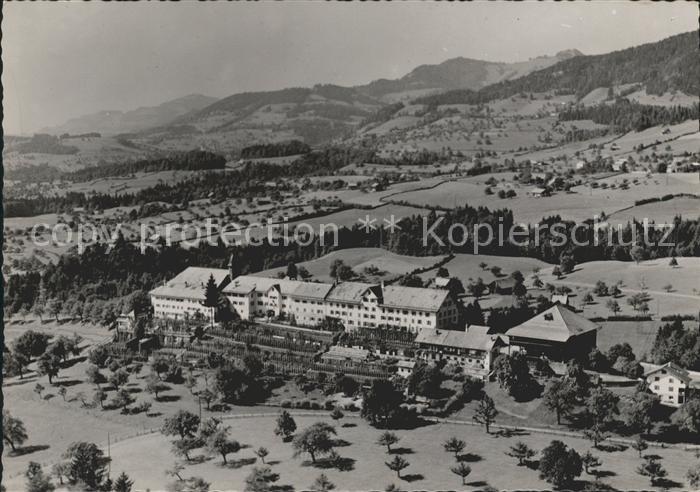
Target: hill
point(669, 65)
point(112, 122)
point(459, 73)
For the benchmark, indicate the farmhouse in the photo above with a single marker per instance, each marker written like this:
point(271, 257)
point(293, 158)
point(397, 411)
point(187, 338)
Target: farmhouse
point(557, 333)
point(538, 192)
point(473, 349)
point(354, 304)
point(670, 382)
point(503, 286)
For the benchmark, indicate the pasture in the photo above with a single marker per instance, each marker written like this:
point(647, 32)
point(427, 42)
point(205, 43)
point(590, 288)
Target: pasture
point(364, 468)
point(389, 265)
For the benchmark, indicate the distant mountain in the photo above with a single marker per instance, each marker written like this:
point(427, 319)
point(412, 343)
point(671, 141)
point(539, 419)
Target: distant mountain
point(669, 65)
point(110, 122)
point(459, 73)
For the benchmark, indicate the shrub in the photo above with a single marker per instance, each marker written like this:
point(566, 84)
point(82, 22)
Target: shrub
point(350, 407)
point(315, 405)
point(286, 404)
point(329, 405)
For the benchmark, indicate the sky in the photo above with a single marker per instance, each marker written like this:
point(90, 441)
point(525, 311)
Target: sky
point(67, 59)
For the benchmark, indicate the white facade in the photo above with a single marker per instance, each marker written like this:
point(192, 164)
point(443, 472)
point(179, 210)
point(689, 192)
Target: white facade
point(183, 296)
point(351, 303)
point(671, 383)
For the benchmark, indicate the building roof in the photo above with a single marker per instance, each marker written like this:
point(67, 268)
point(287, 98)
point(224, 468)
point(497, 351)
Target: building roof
point(350, 292)
point(337, 352)
point(557, 323)
point(190, 283)
point(312, 290)
point(247, 283)
point(691, 377)
point(442, 281)
point(396, 296)
point(475, 338)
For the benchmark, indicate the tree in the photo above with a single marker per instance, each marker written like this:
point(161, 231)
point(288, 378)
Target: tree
point(651, 468)
point(285, 425)
point(31, 344)
point(182, 447)
point(522, 452)
point(559, 465)
point(693, 476)
point(397, 464)
point(99, 396)
point(292, 271)
point(613, 306)
point(687, 417)
point(567, 264)
point(119, 378)
point(314, 440)
point(637, 411)
point(640, 445)
point(15, 363)
point(48, 365)
point(673, 263)
point(387, 439)
point(153, 385)
point(601, 406)
point(99, 356)
point(455, 446)
point(211, 296)
point(337, 414)
point(590, 461)
point(55, 306)
point(560, 398)
point(13, 431)
point(425, 380)
point(122, 483)
point(485, 412)
point(37, 481)
point(588, 298)
point(38, 388)
point(513, 374)
point(260, 479)
point(122, 399)
point(261, 453)
point(182, 423)
point(87, 464)
point(219, 443)
point(596, 434)
point(381, 403)
point(62, 391)
point(207, 396)
point(461, 470)
point(637, 253)
point(322, 484)
point(60, 470)
point(556, 271)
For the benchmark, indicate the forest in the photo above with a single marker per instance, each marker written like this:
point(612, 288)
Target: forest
point(278, 149)
point(624, 116)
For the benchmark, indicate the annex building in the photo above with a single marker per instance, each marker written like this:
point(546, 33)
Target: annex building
point(354, 304)
point(557, 333)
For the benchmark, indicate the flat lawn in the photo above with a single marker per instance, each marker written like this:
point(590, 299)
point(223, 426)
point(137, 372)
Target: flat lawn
point(389, 264)
point(683, 298)
point(146, 458)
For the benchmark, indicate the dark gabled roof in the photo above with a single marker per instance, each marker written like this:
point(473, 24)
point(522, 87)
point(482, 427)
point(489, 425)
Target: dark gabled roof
point(557, 323)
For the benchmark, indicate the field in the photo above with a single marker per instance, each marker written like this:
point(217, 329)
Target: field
point(364, 460)
point(653, 276)
point(390, 265)
point(581, 203)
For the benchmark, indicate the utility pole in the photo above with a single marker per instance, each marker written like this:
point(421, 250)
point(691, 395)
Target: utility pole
point(109, 456)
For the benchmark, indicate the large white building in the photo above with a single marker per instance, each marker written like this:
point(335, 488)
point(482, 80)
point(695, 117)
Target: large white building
point(354, 304)
point(183, 296)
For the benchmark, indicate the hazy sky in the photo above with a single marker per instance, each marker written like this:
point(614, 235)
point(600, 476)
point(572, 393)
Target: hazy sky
point(66, 59)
